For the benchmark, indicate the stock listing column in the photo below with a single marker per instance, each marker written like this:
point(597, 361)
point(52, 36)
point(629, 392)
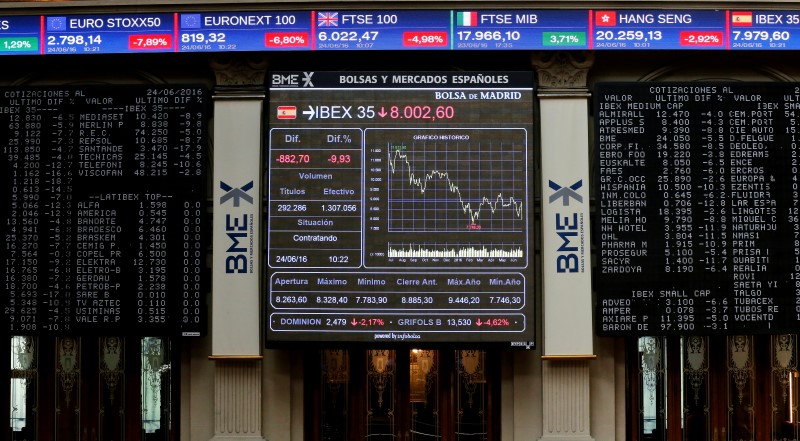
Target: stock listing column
point(567, 295)
point(674, 166)
point(715, 195)
point(757, 172)
point(97, 180)
point(791, 107)
point(22, 227)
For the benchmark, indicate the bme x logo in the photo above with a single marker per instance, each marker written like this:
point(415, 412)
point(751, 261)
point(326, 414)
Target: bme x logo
point(237, 194)
point(566, 193)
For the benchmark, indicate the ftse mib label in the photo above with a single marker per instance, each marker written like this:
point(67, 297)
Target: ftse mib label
point(102, 209)
point(698, 218)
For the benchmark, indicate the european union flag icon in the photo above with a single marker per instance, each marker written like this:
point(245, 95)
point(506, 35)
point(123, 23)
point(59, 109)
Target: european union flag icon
point(56, 23)
point(190, 21)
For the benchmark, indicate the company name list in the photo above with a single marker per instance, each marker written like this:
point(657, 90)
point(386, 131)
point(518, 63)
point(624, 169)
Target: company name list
point(102, 212)
point(698, 203)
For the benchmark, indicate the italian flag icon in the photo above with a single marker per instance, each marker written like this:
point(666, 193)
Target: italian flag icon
point(469, 18)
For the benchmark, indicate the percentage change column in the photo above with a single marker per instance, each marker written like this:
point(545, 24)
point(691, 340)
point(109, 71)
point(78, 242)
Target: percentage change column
point(315, 208)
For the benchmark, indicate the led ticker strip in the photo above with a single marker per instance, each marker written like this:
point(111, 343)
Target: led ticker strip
point(130, 33)
point(19, 35)
point(325, 30)
point(248, 31)
point(626, 29)
point(391, 30)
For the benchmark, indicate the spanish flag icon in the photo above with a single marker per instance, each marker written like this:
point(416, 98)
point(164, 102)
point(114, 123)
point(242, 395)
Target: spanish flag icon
point(742, 18)
point(287, 112)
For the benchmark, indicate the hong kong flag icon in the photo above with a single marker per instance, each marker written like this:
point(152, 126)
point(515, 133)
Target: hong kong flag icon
point(605, 18)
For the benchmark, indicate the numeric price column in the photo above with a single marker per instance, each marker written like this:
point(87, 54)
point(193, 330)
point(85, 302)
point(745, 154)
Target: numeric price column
point(192, 244)
point(315, 202)
point(713, 190)
point(22, 218)
point(713, 211)
point(793, 214)
point(674, 145)
point(190, 133)
point(59, 151)
point(188, 151)
point(153, 255)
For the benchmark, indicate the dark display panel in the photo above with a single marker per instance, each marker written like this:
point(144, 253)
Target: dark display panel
point(698, 208)
point(103, 206)
point(398, 207)
point(400, 29)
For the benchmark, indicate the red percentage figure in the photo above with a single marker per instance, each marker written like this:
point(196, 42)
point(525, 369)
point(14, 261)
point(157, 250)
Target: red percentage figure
point(493, 322)
point(150, 41)
point(700, 38)
point(425, 39)
point(286, 39)
point(367, 322)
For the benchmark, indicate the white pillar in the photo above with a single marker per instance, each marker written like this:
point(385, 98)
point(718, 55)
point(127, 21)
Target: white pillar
point(236, 267)
point(566, 245)
point(236, 345)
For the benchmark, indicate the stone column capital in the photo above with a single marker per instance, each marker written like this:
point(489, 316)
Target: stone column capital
point(240, 71)
point(561, 71)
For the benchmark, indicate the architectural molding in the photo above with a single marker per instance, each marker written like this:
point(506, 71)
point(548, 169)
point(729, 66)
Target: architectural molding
point(240, 71)
point(562, 71)
point(237, 400)
point(565, 401)
point(746, 71)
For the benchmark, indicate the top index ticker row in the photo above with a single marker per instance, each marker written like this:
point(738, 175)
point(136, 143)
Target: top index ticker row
point(357, 30)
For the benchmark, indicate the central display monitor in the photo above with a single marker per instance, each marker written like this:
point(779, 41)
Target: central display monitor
point(399, 207)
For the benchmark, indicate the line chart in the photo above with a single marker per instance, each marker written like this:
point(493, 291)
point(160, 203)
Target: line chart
point(444, 197)
point(470, 184)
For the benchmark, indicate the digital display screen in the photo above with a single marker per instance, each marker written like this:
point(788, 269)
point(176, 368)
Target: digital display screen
point(401, 29)
point(244, 31)
point(108, 34)
point(103, 208)
point(521, 29)
point(19, 35)
point(387, 30)
point(698, 208)
point(760, 30)
point(399, 207)
point(658, 29)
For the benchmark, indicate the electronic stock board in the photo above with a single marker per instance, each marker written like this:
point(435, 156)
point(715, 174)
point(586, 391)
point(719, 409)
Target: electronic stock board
point(698, 208)
point(103, 206)
point(399, 207)
point(429, 29)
